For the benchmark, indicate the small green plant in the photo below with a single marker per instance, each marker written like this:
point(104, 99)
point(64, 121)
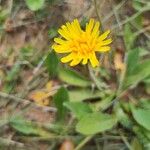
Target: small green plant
point(88, 88)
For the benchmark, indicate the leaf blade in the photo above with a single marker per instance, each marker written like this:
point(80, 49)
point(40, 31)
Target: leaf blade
point(52, 64)
point(59, 98)
point(73, 78)
point(138, 74)
point(95, 123)
point(142, 117)
point(35, 5)
point(79, 109)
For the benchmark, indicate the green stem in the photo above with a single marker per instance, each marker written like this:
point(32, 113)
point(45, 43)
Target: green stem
point(93, 77)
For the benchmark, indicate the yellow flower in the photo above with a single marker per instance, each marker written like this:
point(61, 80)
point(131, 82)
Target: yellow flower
point(81, 45)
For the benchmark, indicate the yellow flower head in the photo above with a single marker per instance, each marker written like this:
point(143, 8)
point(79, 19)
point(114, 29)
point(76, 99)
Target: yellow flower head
point(81, 45)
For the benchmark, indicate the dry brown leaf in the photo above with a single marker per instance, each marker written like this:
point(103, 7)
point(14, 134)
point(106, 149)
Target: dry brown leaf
point(40, 97)
point(67, 145)
point(49, 85)
point(2, 77)
point(118, 61)
point(8, 25)
point(106, 61)
point(39, 115)
point(76, 8)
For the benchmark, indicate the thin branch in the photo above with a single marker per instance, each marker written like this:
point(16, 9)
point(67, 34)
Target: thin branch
point(25, 101)
point(146, 8)
point(82, 143)
point(9, 142)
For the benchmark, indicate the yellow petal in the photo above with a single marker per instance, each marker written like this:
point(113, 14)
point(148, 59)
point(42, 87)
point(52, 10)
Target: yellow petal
point(95, 31)
point(85, 60)
point(67, 58)
point(75, 61)
point(103, 43)
point(94, 60)
point(104, 35)
point(64, 34)
point(61, 48)
point(76, 22)
point(59, 41)
point(73, 31)
point(103, 49)
point(106, 42)
point(65, 29)
point(89, 26)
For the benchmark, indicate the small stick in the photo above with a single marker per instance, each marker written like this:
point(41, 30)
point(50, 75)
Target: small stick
point(11, 142)
point(25, 101)
point(83, 142)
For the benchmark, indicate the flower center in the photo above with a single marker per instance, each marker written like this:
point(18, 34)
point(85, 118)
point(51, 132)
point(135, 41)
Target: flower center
point(83, 46)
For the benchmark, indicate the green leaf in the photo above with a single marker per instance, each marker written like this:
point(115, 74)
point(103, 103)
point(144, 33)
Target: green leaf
point(13, 73)
point(129, 37)
point(79, 109)
point(138, 74)
point(26, 53)
point(143, 51)
point(132, 60)
point(83, 94)
point(146, 133)
point(35, 4)
point(8, 87)
point(52, 32)
point(83, 22)
point(27, 127)
point(52, 1)
point(137, 5)
point(104, 103)
point(52, 64)
point(136, 145)
point(95, 123)
point(4, 13)
point(59, 98)
point(140, 133)
point(138, 21)
point(145, 103)
point(142, 117)
point(122, 117)
point(73, 78)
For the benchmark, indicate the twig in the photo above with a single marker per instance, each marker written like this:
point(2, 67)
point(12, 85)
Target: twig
point(146, 8)
point(117, 17)
point(10, 6)
point(25, 101)
point(39, 65)
point(115, 9)
point(83, 142)
point(97, 13)
point(11, 142)
point(124, 139)
point(96, 9)
point(142, 31)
